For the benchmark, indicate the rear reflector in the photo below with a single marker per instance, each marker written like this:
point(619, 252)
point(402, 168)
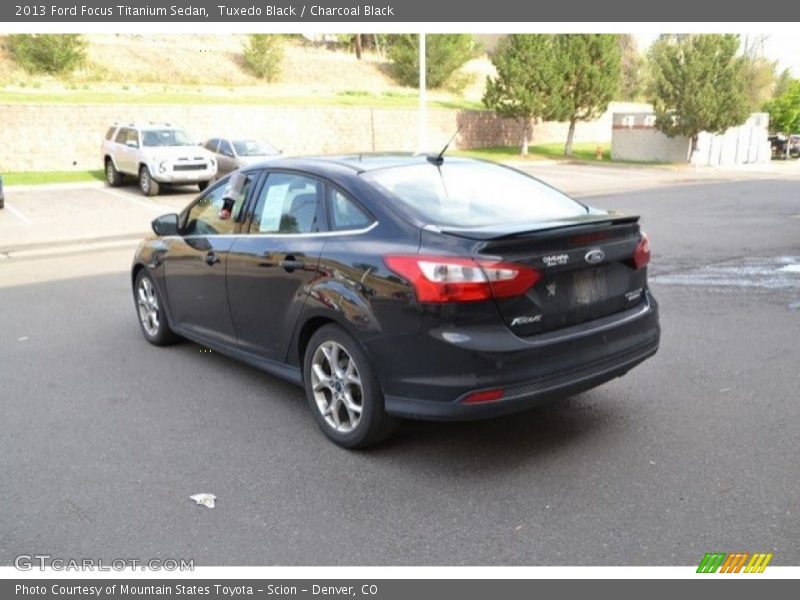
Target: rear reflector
point(439, 279)
point(484, 396)
point(642, 255)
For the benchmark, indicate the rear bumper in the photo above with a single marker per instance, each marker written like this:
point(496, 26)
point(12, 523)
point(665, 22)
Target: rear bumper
point(432, 380)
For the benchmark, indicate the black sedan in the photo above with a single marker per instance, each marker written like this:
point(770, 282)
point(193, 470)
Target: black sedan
point(395, 286)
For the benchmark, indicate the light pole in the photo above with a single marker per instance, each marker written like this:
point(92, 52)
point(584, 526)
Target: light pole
point(423, 115)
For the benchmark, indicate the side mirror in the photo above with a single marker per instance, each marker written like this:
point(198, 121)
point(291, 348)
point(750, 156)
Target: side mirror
point(166, 224)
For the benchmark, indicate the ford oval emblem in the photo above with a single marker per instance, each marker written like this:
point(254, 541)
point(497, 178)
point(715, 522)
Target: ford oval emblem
point(595, 256)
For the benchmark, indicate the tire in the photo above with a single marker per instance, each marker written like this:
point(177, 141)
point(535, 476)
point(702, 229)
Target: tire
point(113, 177)
point(150, 311)
point(147, 184)
point(203, 185)
point(338, 387)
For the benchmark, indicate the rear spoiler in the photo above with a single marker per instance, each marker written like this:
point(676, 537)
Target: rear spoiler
point(537, 229)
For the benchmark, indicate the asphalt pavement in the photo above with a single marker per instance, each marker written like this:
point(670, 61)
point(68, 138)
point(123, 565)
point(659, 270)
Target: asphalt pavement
point(105, 437)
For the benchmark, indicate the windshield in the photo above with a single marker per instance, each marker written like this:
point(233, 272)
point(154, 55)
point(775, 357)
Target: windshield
point(253, 148)
point(473, 194)
point(166, 137)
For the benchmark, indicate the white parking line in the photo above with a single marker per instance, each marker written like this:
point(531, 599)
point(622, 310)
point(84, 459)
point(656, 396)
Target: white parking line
point(148, 205)
point(19, 215)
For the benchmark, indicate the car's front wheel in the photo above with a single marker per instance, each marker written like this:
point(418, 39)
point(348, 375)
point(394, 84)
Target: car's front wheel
point(113, 177)
point(150, 310)
point(342, 390)
point(147, 184)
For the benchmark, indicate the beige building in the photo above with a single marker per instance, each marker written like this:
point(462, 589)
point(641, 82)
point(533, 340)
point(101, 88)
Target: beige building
point(635, 138)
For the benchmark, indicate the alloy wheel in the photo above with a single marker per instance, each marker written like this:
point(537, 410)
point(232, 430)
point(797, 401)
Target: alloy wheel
point(336, 385)
point(147, 302)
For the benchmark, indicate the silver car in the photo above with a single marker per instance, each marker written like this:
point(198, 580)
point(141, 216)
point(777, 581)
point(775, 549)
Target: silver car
point(233, 153)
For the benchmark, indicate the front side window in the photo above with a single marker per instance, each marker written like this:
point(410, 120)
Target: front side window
point(217, 212)
point(288, 203)
point(345, 213)
point(473, 194)
point(166, 137)
point(122, 135)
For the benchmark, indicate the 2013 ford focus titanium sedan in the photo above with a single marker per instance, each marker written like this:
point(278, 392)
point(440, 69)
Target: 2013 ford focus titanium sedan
point(402, 286)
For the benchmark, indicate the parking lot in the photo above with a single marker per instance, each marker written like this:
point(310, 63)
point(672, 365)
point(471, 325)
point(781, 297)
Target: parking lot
point(105, 437)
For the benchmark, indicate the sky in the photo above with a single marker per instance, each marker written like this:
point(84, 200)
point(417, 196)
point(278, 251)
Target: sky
point(783, 47)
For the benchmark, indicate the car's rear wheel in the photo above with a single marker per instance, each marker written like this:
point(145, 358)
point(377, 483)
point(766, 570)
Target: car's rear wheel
point(113, 177)
point(147, 184)
point(342, 391)
point(150, 310)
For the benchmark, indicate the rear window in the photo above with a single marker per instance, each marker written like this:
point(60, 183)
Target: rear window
point(110, 132)
point(473, 194)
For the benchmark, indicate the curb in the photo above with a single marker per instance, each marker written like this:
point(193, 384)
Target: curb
point(68, 246)
point(74, 185)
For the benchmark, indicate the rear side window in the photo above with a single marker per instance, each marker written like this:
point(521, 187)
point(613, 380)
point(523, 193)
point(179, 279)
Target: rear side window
point(288, 203)
point(345, 213)
point(473, 194)
point(122, 135)
point(225, 148)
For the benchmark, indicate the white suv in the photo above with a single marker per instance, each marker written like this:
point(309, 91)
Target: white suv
point(156, 154)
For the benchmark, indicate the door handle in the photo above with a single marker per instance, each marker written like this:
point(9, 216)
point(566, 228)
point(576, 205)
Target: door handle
point(212, 258)
point(290, 264)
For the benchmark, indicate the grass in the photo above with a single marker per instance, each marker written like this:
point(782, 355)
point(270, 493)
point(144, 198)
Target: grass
point(44, 177)
point(354, 98)
point(583, 152)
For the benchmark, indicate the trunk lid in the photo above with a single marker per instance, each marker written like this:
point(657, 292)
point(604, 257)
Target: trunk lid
point(586, 264)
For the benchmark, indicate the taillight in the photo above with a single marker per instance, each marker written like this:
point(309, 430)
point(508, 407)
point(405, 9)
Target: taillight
point(642, 255)
point(439, 279)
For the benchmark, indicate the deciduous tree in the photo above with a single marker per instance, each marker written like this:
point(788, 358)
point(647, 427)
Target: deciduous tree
point(784, 111)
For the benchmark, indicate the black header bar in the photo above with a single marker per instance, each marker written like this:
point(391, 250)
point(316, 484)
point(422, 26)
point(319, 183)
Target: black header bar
point(388, 11)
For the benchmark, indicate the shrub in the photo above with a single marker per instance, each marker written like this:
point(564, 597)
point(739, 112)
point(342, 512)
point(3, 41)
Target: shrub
point(444, 55)
point(55, 54)
point(263, 54)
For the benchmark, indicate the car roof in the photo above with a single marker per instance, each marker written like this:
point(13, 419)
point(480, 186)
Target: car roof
point(146, 126)
point(355, 163)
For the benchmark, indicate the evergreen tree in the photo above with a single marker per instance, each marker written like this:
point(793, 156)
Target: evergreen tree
point(527, 75)
point(444, 55)
point(591, 70)
point(697, 84)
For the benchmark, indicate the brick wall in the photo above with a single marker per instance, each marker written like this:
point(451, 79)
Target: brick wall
point(38, 137)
